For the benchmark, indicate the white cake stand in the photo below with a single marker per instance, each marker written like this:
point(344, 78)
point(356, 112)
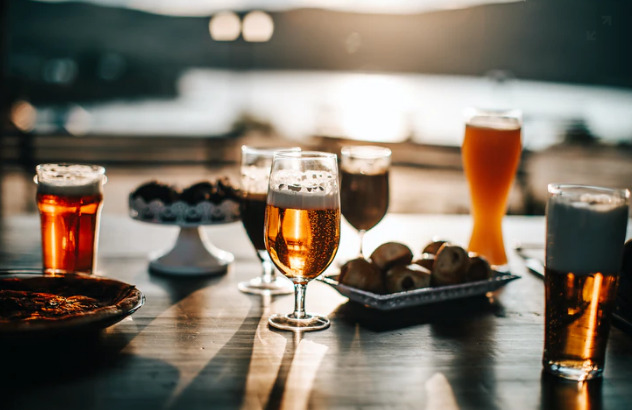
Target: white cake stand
point(193, 254)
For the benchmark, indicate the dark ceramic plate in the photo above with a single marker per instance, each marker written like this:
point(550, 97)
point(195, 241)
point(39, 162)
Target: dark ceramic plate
point(418, 297)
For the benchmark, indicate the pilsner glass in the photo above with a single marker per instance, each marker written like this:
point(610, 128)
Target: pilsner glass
point(585, 235)
point(255, 173)
point(302, 226)
point(491, 153)
point(69, 199)
point(364, 191)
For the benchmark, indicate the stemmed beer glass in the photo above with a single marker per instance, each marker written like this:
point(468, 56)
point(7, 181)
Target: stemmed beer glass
point(302, 226)
point(255, 173)
point(364, 189)
point(491, 153)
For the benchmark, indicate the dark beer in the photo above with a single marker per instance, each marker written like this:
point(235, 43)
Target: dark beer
point(364, 198)
point(253, 209)
point(578, 311)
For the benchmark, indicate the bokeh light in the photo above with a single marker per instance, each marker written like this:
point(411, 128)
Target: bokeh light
point(23, 115)
point(258, 27)
point(225, 26)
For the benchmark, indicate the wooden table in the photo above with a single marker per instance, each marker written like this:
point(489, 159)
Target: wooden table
point(200, 343)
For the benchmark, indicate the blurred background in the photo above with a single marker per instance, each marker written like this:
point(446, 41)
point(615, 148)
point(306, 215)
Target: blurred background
point(170, 89)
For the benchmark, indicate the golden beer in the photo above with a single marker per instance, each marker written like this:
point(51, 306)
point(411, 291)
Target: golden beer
point(578, 311)
point(69, 199)
point(302, 242)
point(585, 233)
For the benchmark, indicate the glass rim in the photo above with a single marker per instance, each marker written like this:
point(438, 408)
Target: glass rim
point(559, 188)
point(511, 113)
point(366, 151)
point(267, 151)
point(305, 155)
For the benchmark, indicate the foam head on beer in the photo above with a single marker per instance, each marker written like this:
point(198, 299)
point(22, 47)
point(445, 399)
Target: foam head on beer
point(303, 190)
point(586, 231)
point(70, 179)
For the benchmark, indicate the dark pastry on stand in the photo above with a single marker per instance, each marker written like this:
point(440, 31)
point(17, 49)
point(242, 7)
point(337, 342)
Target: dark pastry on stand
point(156, 190)
point(390, 254)
point(450, 265)
point(226, 190)
point(478, 269)
point(401, 278)
point(197, 193)
point(362, 274)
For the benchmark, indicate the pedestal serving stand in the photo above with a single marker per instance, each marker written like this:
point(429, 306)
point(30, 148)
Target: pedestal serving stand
point(193, 254)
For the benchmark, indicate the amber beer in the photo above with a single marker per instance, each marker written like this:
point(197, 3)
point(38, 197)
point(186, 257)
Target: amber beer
point(69, 199)
point(302, 233)
point(586, 229)
point(490, 153)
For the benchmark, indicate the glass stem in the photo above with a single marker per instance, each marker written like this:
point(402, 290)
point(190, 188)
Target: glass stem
point(299, 300)
point(268, 274)
point(361, 233)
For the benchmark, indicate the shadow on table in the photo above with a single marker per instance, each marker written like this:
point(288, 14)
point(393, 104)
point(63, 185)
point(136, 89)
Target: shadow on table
point(560, 394)
point(442, 315)
point(91, 369)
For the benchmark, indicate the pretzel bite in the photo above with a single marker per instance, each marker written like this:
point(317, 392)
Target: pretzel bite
point(426, 261)
point(450, 265)
point(362, 274)
point(390, 254)
point(433, 247)
point(478, 269)
point(401, 278)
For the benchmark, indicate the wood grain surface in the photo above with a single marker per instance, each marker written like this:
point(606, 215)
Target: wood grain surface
point(201, 344)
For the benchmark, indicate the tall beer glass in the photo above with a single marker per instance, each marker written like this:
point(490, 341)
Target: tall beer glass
point(69, 199)
point(302, 226)
point(490, 153)
point(585, 235)
point(255, 174)
point(364, 192)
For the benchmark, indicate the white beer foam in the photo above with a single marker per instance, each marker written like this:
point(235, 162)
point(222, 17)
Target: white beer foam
point(365, 167)
point(498, 123)
point(71, 180)
point(255, 179)
point(585, 236)
point(307, 190)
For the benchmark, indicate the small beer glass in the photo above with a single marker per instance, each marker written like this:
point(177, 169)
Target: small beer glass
point(69, 199)
point(364, 190)
point(585, 235)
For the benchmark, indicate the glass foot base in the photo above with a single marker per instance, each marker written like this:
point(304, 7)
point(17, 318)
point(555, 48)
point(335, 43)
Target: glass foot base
point(258, 286)
point(308, 323)
point(577, 371)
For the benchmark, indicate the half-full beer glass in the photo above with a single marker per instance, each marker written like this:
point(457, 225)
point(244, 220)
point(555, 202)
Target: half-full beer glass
point(255, 173)
point(69, 199)
point(491, 153)
point(302, 226)
point(585, 235)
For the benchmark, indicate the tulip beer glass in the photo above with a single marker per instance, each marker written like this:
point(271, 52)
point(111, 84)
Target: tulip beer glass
point(255, 173)
point(69, 199)
point(302, 226)
point(490, 152)
point(585, 235)
point(364, 191)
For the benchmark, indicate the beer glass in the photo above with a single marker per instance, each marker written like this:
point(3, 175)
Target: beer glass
point(255, 173)
point(490, 153)
point(69, 199)
point(364, 192)
point(302, 226)
point(585, 235)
